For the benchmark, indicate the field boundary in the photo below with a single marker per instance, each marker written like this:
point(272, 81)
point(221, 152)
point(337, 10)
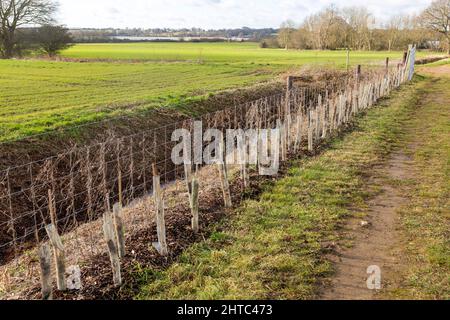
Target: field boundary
point(76, 188)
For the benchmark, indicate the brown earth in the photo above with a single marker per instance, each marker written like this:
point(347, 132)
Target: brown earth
point(443, 70)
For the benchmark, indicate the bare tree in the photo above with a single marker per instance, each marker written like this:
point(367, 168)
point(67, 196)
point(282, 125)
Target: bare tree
point(355, 28)
point(359, 21)
point(437, 18)
point(18, 13)
point(393, 29)
point(285, 35)
point(319, 26)
point(327, 29)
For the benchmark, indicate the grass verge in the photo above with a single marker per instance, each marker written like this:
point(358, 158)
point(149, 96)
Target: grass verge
point(273, 247)
point(426, 219)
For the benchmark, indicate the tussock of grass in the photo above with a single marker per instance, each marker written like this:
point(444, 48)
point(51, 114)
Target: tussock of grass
point(273, 248)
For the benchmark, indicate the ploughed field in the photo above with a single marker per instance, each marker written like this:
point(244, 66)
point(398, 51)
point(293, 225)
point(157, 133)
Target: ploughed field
point(98, 81)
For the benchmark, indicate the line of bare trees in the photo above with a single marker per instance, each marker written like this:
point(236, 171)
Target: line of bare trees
point(28, 25)
point(356, 28)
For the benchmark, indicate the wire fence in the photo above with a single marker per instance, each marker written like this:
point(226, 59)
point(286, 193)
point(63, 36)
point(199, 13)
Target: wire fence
point(74, 189)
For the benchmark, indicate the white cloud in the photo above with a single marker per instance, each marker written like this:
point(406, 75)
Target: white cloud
point(211, 13)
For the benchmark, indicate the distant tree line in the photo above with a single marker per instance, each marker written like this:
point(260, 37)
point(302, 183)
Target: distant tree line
point(110, 34)
point(356, 28)
point(19, 34)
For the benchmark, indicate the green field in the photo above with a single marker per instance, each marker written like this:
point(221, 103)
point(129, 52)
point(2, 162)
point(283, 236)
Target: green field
point(37, 96)
point(233, 53)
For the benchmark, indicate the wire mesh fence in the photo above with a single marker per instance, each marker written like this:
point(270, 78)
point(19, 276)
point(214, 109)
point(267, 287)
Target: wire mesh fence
point(73, 190)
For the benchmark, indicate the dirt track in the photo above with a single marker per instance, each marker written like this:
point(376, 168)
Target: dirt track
point(377, 238)
point(439, 71)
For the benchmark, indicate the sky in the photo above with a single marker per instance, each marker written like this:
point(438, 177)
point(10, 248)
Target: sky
point(212, 14)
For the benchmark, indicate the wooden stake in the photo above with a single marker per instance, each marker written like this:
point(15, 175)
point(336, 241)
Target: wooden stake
point(192, 187)
point(358, 74)
point(298, 132)
point(223, 175)
point(55, 239)
point(119, 229)
point(287, 116)
point(244, 162)
point(310, 132)
point(111, 241)
point(59, 256)
point(57, 245)
point(324, 117)
point(51, 207)
point(161, 245)
point(188, 179)
point(244, 174)
point(282, 128)
point(405, 57)
point(317, 122)
point(187, 169)
point(195, 204)
point(46, 270)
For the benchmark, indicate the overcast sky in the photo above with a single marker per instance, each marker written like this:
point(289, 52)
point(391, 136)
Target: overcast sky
point(211, 14)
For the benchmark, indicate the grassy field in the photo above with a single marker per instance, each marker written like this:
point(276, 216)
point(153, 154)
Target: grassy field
point(275, 247)
point(37, 96)
point(231, 53)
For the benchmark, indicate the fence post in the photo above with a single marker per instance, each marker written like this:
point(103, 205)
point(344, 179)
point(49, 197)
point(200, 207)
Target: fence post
point(161, 245)
point(310, 131)
point(324, 116)
point(194, 202)
point(223, 174)
point(51, 207)
point(111, 241)
point(298, 131)
point(358, 74)
point(120, 229)
point(187, 169)
point(244, 171)
point(58, 252)
point(405, 57)
point(188, 179)
point(283, 146)
point(412, 62)
point(317, 132)
point(358, 87)
point(119, 173)
point(57, 245)
point(387, 65)
point(290, 85)
point(192, 186)
point(46, 265)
